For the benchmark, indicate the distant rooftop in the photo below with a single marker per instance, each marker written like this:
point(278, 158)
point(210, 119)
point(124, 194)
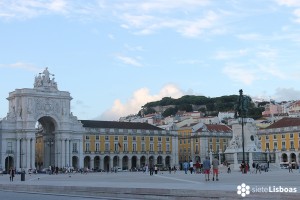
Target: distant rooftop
point(118, 125)
point(285, 122)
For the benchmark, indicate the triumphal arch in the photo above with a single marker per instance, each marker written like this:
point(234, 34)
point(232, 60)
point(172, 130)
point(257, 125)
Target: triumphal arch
point(40, 117)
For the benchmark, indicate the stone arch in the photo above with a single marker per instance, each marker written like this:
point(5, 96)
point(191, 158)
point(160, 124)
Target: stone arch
point(151, 161)
point(133, 162)
point(97, 162)
point(45, 141)
point(106, 163)
point(75, 162)
point(143, 161)
point(116, 161)
point(87, 162)
point(9, 162)
point(125, 160)
point(293, 157)
point(284, 157)
point(168, 161)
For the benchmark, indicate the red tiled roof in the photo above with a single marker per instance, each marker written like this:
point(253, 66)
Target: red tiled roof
point(215, 128)
point(285, 122)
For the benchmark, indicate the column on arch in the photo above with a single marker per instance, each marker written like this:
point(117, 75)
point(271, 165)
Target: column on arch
point(63, 153)
point(28, 155)
point(80, 153)
point(33, 140)
point(17, 161)
point(67, 141)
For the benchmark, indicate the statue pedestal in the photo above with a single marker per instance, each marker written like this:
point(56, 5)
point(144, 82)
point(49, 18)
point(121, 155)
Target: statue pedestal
point(251, 142)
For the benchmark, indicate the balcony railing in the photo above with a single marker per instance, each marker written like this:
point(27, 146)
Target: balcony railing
point(75, 151)
point(106, 152)
point(168, 152)
point(160, 152)
point(151, 152)
point(125, 152)
point(143, 152)
point(87, 152)
point(116, 152)
point(283, 149)
point(292, 149)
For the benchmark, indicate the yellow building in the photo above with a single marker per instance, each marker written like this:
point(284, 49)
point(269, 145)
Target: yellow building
point(282, 138)
point(197, 141)
point(127, 145)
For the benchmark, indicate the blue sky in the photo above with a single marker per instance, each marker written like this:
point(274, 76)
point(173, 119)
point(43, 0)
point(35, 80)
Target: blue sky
point(115, 56)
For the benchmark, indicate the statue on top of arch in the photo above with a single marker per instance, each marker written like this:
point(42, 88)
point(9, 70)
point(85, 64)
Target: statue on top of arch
point(43, 80)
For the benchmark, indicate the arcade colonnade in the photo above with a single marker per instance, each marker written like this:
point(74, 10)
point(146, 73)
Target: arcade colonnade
point(125, 162)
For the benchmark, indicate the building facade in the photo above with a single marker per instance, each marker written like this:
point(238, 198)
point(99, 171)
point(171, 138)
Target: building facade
point(282, 138)
point(198, 140)
point(40, 131)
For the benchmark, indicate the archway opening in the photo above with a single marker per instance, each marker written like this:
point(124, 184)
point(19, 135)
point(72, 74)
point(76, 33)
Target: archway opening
point(45, 153)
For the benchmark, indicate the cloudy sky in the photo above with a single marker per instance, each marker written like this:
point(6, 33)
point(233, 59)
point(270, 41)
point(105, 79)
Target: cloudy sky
point(115, 56)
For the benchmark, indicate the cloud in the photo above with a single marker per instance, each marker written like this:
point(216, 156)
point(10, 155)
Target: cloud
point(240, 73)
point(286, 94)
point(292, 3)
point(138, 99)
point(22, 65)
point(129, 61)
point(224, 55)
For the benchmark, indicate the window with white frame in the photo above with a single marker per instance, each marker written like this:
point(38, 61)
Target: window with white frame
point(87, 146)
point(267, 137)
point(282, 144)
point(133, 138)
point(275, 145)
point(106, 137)
point(283, 136)
point(97, 145)
point(143, 138)
point(292, 144)
point(125, 138)
point(168, 146)
point(106, 146)
point(197, 148)
point(159, 147)
point(267, 145)
point(133, 146)
point(116, 138)
point(151, 139)
point(291, 135)
point(125, 147)
point(159, 139)
point(167, 139)
point(116, 146)
point(87, 137)
point(97, 137)
point(151, 147)
point(218, 147)
point(275, 137)
point(143, 147)
point(74, 147)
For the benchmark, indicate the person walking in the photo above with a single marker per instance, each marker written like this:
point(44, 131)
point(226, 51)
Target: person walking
point(11, 174)
point(290, 167)
point(185, 166)
point(206, 168)
point(215, 165)
point(258, 168)
point(253, 167)
point(191, 166)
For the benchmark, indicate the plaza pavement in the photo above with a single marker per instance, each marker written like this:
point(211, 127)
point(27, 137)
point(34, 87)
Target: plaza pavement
point(139, 185)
